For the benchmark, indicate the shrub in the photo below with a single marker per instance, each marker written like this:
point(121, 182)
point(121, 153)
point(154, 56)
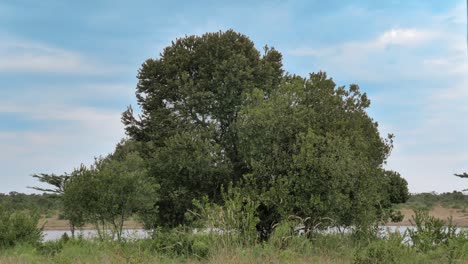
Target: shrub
point(18, 227)
point(236, 221)
point(282, 234)
point(457, 246)
point(429, 231)
point(388, 250)
point(181, 242)
point(396, 216)
point(51, 248)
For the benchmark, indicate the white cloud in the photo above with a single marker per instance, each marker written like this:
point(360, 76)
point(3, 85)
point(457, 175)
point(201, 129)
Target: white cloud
point(377, 59)
point(26, 56)
point(447, 65)
point(452, 94)
point(404, 37)
point(71, 133)
point(408, 37)
point(59, 148)
point(61, 112)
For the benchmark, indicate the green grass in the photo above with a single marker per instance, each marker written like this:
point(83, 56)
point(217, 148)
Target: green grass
point(180, 247)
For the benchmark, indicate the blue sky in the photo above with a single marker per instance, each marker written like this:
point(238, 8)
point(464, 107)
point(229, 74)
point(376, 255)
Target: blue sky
point(67, 71)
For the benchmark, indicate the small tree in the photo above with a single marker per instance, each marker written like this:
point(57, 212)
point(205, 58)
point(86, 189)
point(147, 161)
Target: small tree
point(463, 175)
point(18, 227)
point(58, 183)
point(110, 191)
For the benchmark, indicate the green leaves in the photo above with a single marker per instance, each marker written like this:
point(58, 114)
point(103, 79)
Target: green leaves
point(312, 146)
point(18, 227)
point(463, 175)
point(110, 191)
point(190, 99)
point(397, 187)
point(214, 111)
point(57, 181)
point(188, 167)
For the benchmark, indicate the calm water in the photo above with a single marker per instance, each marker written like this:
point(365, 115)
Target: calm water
point(140, 233)
point(88, 234)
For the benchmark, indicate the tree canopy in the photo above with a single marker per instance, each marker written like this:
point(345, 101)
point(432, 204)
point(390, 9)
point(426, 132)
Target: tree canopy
point(462, 175)
point(215, 111)
point(222, 124)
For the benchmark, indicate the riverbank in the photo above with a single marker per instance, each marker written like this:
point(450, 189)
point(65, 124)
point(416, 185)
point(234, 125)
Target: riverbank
point(459, 218)
point(54, 223)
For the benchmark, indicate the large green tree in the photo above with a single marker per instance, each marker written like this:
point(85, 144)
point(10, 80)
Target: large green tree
point(215, 110)
point(190, 98)
point(314, 152)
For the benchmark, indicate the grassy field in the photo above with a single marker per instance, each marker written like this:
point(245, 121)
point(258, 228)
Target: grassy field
point(202, 248)
point(283, 246)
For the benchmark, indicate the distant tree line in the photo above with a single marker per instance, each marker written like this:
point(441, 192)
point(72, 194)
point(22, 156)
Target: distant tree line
point(42, 203)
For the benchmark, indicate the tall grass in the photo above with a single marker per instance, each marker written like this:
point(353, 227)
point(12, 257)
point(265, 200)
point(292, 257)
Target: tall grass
point(233, 239)
point(284, 246)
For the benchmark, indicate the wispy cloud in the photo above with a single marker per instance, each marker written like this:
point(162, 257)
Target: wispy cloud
point(456, 15)
point(423, 70)
point(75, 135)
point(60, 112)
point(57, 150)
point(33, 57)
point(406, 37)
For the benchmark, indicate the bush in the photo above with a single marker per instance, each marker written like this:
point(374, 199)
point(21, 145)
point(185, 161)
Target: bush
point(429, 231)
point(282, 234)
point(19, 227)
point(235, 222)
point(396, 216)
point(389, 250)
point(51, 248)
point(180, 242)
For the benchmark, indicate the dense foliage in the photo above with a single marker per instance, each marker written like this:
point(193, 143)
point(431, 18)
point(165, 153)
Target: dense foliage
point(18, 226)
point(215, 111)
point(190, 99)
point(110, 191)
point(42, 203)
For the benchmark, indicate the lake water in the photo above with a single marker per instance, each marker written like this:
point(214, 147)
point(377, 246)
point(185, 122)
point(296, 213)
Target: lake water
point(141, 233)
point(88, 234)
